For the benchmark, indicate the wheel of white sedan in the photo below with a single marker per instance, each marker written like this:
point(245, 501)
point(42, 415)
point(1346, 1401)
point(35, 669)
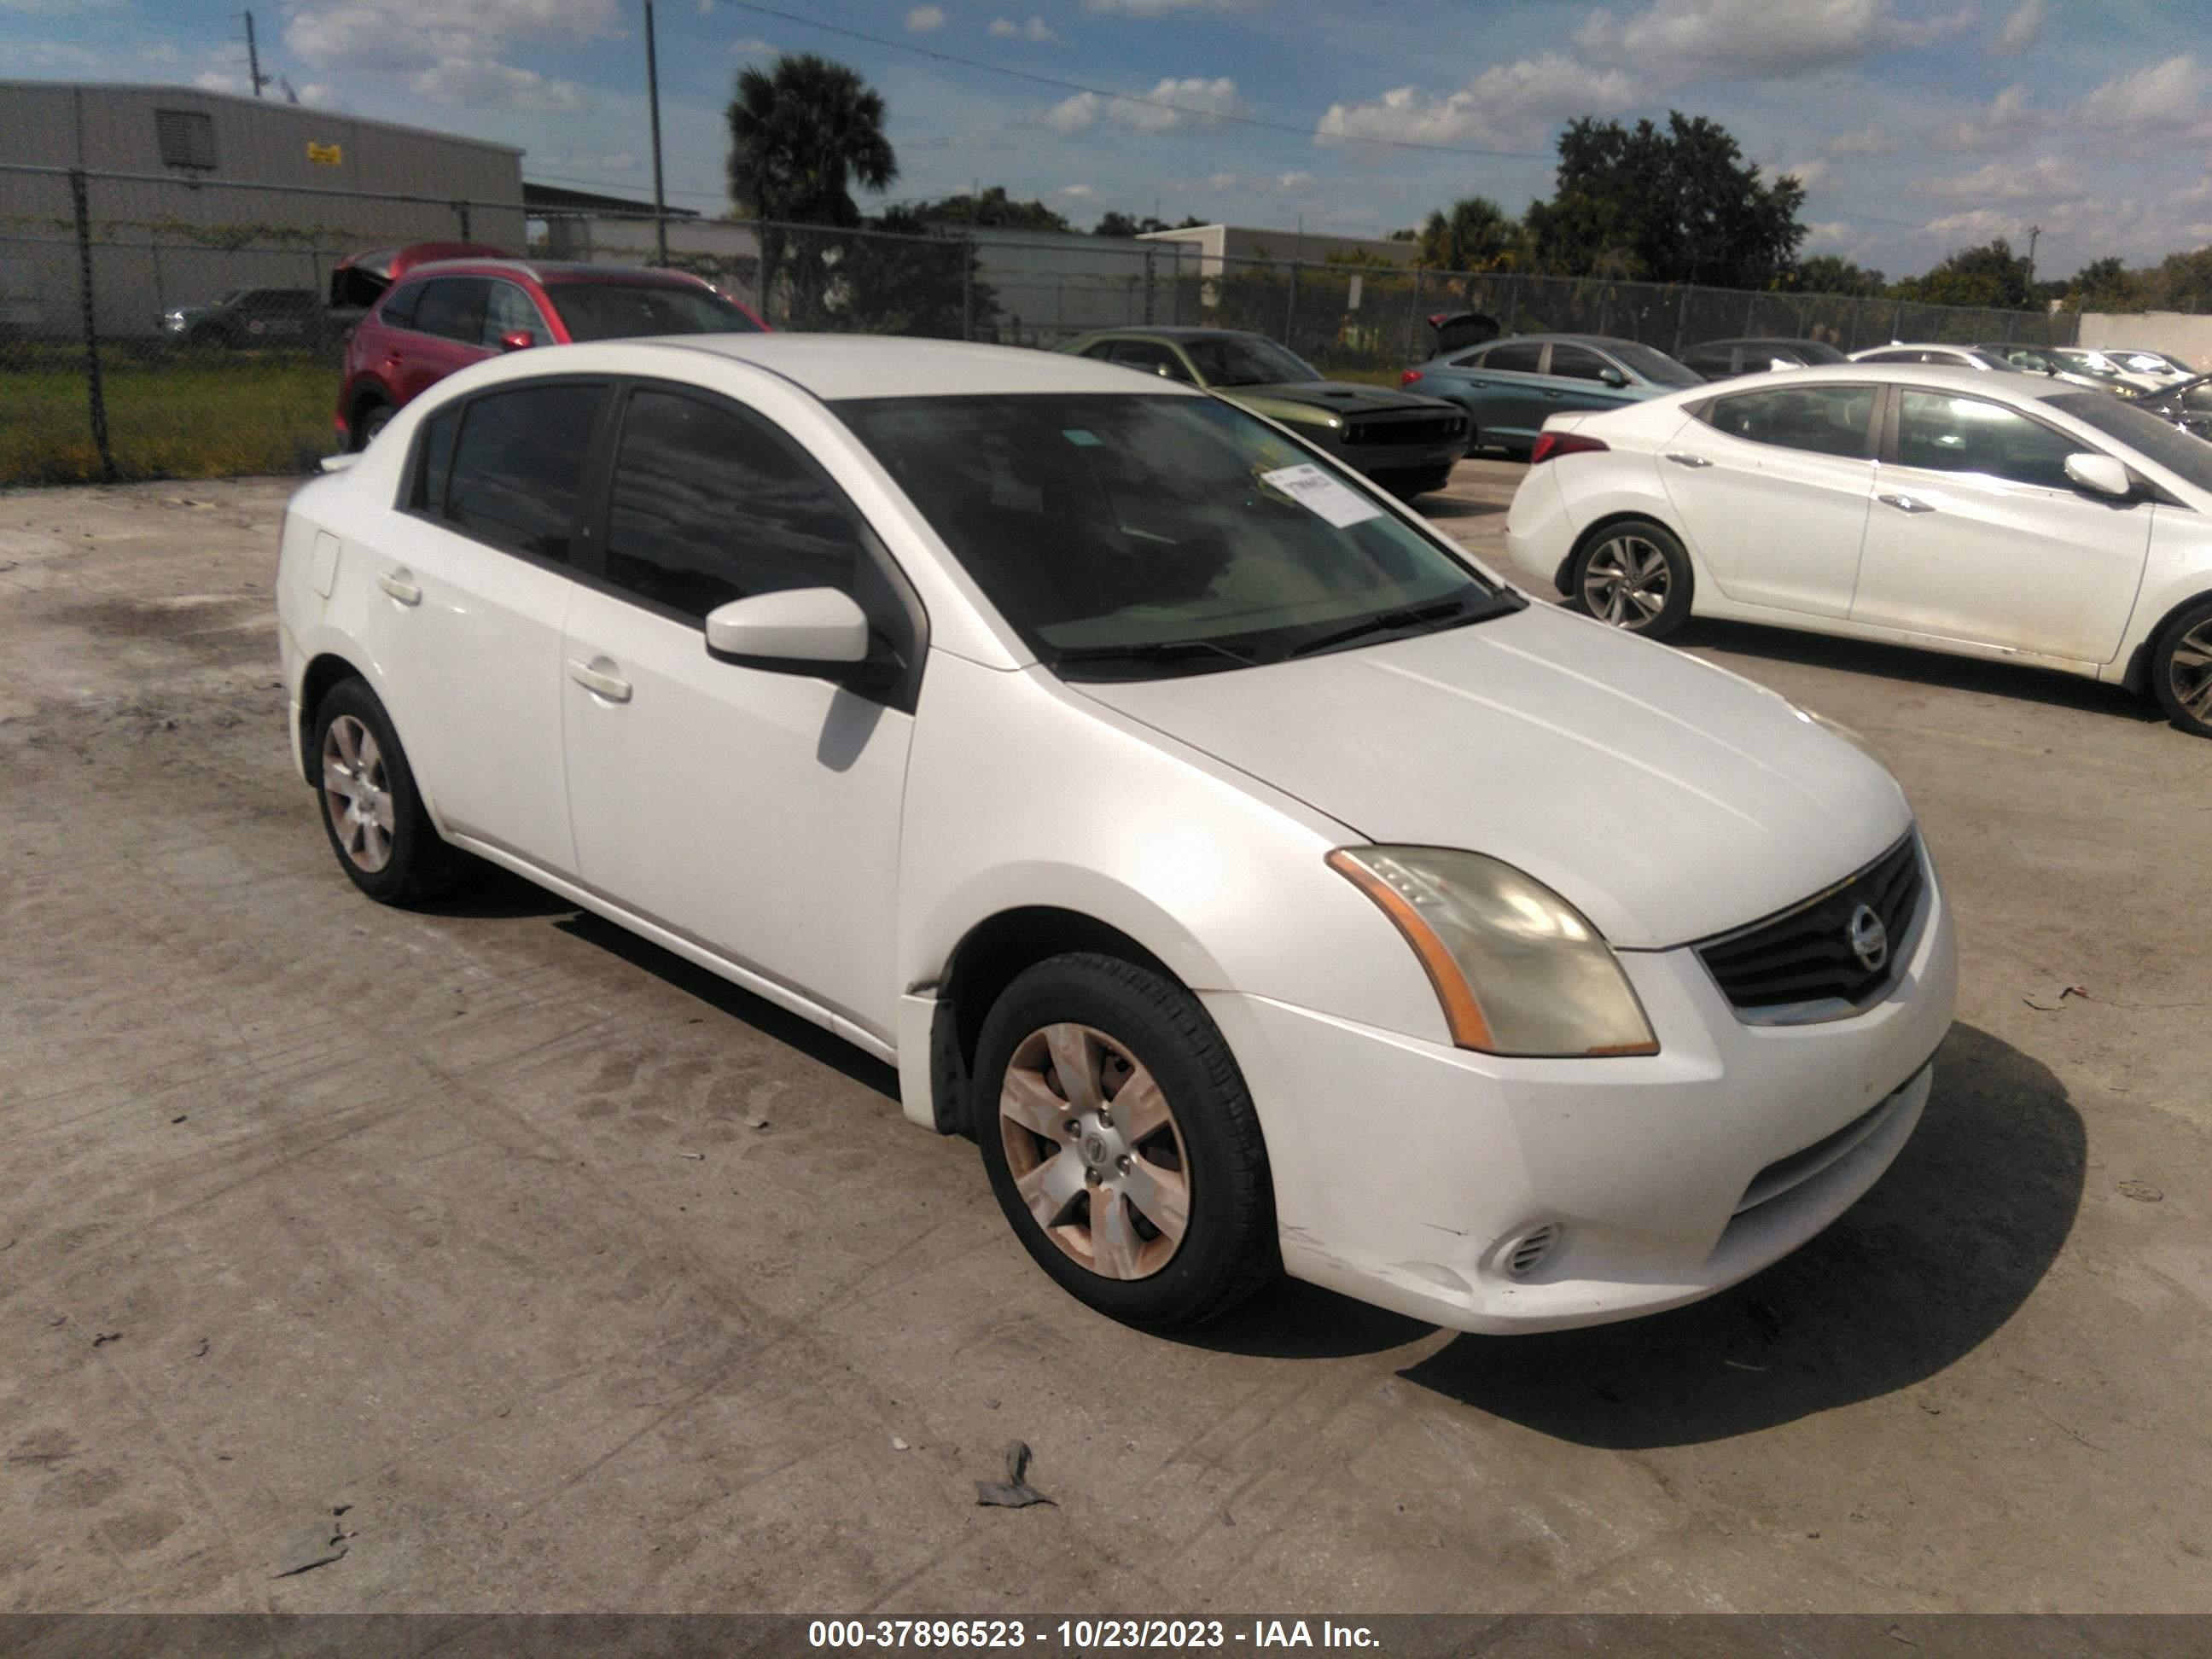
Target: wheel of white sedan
point(2181, 669)
point(1634, 576)
point(377, 825)
point(1122, 1142)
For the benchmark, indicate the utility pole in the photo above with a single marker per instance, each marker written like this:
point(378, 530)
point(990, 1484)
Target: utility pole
point(253, 59)
point(652, 98)
point(2033, 231)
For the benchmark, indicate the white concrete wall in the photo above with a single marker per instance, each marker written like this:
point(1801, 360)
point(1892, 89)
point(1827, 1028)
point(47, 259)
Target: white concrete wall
point(2187, 335)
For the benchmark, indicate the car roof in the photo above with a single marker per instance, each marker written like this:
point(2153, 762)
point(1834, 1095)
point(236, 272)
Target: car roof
point(1931, 345)
point(554, 272)
point(1178, 332)
point(839, 366)
point(1952, 375)
point(1609, 341)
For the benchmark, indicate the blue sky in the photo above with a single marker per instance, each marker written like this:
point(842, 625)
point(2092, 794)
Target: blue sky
point(1917, 125)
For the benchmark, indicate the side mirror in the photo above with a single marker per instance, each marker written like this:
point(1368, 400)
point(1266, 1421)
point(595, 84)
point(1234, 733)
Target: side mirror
point(2102, 475)
point(1612, 377)
point(516, 339)
point(801, 630)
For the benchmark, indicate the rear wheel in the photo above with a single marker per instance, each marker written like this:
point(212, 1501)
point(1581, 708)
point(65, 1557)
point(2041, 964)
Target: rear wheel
point(1121, 1143)
point(2181, 669)
point(1635, 575)
point(372, 810)
point(371, 419)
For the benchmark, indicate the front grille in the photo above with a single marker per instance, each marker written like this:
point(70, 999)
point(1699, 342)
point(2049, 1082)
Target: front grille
point(1422, 428)
point(1805, 958)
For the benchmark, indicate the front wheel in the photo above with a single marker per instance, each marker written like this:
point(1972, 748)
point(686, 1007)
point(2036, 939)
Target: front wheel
point(1121, 1143)
point(2181, 669)
point(1636, 576)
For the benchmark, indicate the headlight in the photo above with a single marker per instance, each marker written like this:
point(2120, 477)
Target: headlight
point(1516, 967)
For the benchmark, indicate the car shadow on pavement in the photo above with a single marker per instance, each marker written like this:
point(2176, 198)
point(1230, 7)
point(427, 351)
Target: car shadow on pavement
point(1456, 506)
point(1923, 1270)
point(2016, 681)
point(1293, 1321)
point(723, 997)
point(492, 894)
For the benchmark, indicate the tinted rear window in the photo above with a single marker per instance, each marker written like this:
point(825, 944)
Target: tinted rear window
point(516, 471)
point(2180, 452)
point(398, 307)
point(1655, 366)
point(615, 311)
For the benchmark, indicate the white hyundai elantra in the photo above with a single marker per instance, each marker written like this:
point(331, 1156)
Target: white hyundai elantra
point(1984, 512)
point(1238, 863)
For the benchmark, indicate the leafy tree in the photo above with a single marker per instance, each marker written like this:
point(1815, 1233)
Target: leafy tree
point(1668, 205)
point(801, 135)
point(1115, 223)
point(2183, 282)
point(2106, 284)
point(993, 209)
point(918, 279)
point(1475, 235)
point(1830, 273)
point(1989, 275)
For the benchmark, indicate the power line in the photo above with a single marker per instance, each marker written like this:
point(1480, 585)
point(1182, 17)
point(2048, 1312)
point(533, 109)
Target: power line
point(1131, 97)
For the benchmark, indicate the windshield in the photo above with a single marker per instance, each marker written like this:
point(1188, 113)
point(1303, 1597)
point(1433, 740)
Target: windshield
point(618, 311)
point(1246, 360)
point(2180, 452)
point(1136, 537)
point(1653, 366)
point(2083, 363)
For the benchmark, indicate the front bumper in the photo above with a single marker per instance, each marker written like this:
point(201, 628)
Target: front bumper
point(1406, 1173)
point(1401, 460)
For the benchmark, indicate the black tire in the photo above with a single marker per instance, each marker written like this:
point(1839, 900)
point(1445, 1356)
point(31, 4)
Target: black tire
point(414, 864)
point(1229, 1249)
point(1633, 575)
point(1410, 486)
point(371, 419)
point(2181, 669)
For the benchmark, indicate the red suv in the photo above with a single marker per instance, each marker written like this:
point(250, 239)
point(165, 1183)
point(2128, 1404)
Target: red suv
point(445, 315)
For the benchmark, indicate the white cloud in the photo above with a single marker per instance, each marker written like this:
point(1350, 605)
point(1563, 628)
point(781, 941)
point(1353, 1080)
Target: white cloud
point(1162, 7)
point(1868, 141)
point(1195, 101)
point(1296, 183)
point(1221, 180)
point(1979, 224)
point(2008, 116)
point(2044, 178)
point(1037, 30)
point(1079, 192)
point(1507, 103)
point(480, 82)
point(58, 7)
point(412, 34)
point(217, 81)
point(925, 20)
point(2021, 30)
point(754, 47)
point(1808, 174)
point(1830, 233)
point(2163, 97)
point(1758, 37)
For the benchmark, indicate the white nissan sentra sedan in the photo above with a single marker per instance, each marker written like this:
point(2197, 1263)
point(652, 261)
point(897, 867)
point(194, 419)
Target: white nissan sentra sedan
point(1263, 884)
point(1989, 515)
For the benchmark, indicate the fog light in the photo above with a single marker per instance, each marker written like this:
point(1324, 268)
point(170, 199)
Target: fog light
point(1523, 1254)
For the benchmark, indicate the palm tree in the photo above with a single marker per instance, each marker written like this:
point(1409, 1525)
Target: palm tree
point(801, 135)
point(1476, 236)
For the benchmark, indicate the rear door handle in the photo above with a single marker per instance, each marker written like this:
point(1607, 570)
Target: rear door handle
point(396, 583)
point(1904, 503)
point(1684, 458)
point(613, 687)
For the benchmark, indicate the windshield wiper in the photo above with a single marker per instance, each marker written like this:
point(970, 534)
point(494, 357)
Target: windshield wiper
point(1387, 622)
point(1151, 651)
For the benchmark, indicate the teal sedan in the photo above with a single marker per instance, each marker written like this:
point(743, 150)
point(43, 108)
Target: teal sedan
point(1510, 386)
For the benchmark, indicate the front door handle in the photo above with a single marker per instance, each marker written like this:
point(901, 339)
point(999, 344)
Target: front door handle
point(396, 583)
point(1904, 503)
point(1684, 458)
point(613, 687)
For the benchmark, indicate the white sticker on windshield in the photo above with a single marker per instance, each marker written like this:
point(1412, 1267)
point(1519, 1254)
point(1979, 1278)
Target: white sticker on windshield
point(1315, 491)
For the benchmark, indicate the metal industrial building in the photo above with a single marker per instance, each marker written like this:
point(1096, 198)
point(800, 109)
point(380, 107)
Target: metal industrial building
point(190, 193)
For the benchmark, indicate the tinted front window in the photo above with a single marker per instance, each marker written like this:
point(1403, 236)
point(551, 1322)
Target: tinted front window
point(1242, 359)
point(1829, 420)
point(1970, 434)
point(618, 311)
point(710, 507)
point(1575, 362)
point(508, 310)
point(1137, 536)
point(2180, 452)
point(452, 308)
point(1653, 366)
point(517, 465)
point(1711, 361)
point(1515, 357)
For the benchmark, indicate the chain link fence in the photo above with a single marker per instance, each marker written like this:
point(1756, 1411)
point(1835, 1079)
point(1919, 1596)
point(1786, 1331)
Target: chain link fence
point(156, 327)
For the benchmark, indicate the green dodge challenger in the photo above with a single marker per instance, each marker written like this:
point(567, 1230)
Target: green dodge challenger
point(1404, 442)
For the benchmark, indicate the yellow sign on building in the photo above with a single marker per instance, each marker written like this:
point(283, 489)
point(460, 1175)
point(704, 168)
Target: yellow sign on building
point(328, 155)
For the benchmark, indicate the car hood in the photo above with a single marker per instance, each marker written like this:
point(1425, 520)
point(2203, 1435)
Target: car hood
point(1665, 798)
point(1337, 396)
